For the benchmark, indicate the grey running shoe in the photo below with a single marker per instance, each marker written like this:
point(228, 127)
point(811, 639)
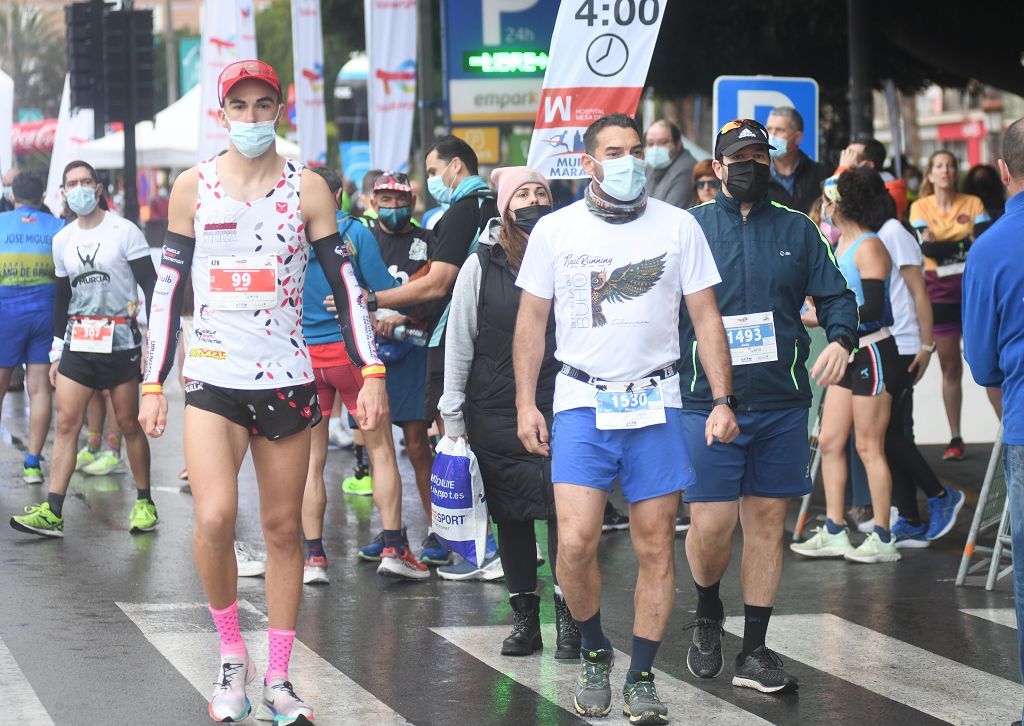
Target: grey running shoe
point(593, 696)
point(641, 704)
point(704, 658)
point(762, 670)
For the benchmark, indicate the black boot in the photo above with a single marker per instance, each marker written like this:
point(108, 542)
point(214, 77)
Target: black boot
point(525, 636)
point(567, 645)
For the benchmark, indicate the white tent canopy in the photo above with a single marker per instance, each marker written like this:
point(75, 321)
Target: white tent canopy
point(168, 142)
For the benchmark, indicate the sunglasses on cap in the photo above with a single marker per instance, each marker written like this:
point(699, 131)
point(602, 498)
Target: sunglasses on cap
point(394, 180)
point(243, 69)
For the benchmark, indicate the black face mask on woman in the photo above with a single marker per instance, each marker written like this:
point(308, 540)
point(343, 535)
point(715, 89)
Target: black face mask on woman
point(747, 180)
point(526, 217)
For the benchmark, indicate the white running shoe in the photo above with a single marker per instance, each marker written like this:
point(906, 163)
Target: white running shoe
point(873, 550)
point(401, 564)
point(868, 525)
point(229, 703)
point(249, 563)
point(823, 544)
point(339, 435)
point(85, 457)
point(282, 706)
point(314, 571)
point(105, 463)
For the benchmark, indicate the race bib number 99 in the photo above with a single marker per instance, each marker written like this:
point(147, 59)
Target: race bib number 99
point(238, 283)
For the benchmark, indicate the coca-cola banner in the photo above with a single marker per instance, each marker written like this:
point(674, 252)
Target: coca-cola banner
point(34, 136)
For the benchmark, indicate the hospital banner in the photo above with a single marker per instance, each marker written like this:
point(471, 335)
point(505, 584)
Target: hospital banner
point(308, 59)
point(391, 47)
point(228, 34)
point(74, 128)
point(598, 62)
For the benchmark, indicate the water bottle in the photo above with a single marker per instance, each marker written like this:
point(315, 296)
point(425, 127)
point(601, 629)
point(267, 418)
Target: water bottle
point(415, 336)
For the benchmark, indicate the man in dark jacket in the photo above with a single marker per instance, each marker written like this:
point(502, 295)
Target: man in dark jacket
point(770, 259)
point(796, 178)
point(669, 166)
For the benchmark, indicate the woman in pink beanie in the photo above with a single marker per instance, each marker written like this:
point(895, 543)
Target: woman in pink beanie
point(479, 402)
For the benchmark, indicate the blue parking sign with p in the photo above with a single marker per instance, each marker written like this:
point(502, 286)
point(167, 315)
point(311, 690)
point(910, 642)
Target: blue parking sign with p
point(755, 96)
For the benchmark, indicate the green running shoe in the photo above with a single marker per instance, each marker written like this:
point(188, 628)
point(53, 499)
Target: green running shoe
point(593, 695)
point(39, 520)
point(33, 475)
point(361, 486)
point(103, 464)
point(85, 457)
point(143, 517)
point(641, 704)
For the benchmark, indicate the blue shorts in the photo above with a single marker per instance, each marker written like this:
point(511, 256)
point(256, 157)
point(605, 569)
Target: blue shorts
point(648, 462)
point(769, 458)
point(26, 336)
point(406, 383)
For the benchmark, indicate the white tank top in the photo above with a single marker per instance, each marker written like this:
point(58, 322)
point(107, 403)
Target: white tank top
point(248, 271)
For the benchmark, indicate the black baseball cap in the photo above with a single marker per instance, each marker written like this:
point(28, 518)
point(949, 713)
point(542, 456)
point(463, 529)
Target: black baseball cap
point(739, 134)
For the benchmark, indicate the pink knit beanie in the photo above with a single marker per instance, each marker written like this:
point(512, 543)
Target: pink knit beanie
point(508, 179)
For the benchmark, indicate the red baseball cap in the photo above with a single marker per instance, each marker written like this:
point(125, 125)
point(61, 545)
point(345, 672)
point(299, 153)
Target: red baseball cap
point(244, 70)
point(394, 181)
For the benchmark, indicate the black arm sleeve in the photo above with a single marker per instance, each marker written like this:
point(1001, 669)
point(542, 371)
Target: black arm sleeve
point(356, 329)
point(874, 300)
point(60, 307)
point(944, 250)
point(145, 276)
point(165, 310)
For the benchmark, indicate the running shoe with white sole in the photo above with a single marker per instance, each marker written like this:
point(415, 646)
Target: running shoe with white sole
point(873, 550)
point(682, 524)
point(249, 562)
point(371, 552)
point(433, 551)
point(314, 572)
point(763, 671)
point(956, 451)
point(282, 706)
point(909, 536)
point(401, 564)
point(32, 475)
point(85, 457)
point(592, 695)
point(640, 701)
point(614, 520)
point(943, 511)
point(39, 519)
point(704, 657)
point(488, 570)
point(339, 434)
point(823, 544)
point(229, 703)
point(359, 484)
point(105, 463)
point(143, 517)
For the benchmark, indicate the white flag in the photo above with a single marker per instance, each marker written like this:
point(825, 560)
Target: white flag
point(597, 66)
point(73, 130)
point(391, 47)
point(246, 47)
point(308, 59)
point(6, 121)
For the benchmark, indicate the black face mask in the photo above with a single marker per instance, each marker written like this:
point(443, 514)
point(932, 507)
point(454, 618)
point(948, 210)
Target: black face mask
point(526, 217)
point(748, 180)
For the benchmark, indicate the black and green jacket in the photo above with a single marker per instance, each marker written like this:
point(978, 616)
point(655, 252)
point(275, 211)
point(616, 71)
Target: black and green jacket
point(772, 260)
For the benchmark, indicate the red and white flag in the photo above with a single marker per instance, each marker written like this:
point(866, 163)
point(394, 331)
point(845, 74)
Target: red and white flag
point(391, 48)
point(308, 59)
point(598, 62)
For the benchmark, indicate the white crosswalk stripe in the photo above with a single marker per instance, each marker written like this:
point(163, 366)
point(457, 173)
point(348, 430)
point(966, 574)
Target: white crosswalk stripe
point(21, 704)
point(899, 671)
point(184, 635)
point(554, 679)
point(1002, 616)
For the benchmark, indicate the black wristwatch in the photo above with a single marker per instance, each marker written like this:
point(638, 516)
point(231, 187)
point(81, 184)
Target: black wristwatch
point(371, 301)
point(847, 342)
point(731, 401)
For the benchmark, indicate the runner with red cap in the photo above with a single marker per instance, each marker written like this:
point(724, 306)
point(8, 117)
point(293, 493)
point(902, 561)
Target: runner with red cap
point(241, 225)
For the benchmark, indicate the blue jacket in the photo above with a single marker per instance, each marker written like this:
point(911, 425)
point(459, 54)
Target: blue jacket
point(318, 325)
point(769, 261)
point(994, 316)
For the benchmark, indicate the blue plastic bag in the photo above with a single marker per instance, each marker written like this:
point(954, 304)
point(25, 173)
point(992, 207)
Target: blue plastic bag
point(458, 509)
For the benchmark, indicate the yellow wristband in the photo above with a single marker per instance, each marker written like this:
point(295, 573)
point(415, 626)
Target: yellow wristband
point(374, 371)
point(152, 388)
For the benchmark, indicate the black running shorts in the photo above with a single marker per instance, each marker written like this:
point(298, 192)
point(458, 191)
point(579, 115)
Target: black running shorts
point(273, 413)
point(100, 371)
point(874, 369)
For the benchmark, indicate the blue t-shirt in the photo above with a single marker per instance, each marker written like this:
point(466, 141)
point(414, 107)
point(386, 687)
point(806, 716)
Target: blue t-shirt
point(26, 257)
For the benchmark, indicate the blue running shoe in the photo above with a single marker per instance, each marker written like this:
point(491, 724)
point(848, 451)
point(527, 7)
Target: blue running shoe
point(909, 536)
point(372, 551)
point(942, 512)
point(488, 570)
point(435, 552)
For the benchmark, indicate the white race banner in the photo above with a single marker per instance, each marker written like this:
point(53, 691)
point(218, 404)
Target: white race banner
point(308, 59)
point(600, 54)
point(6, 121)
point(391, 47)
point(229, 34)
point(73, 130)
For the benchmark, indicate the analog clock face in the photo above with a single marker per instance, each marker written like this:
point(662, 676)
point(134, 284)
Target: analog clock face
point(607, 55)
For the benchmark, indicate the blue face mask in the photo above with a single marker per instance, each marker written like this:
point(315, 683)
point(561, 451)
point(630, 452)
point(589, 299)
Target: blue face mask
point(395, 218)
point(658, 157)
point(252, 139)
point(623, 178)
point(82, 200)
point(438, 189)
point(780, 147)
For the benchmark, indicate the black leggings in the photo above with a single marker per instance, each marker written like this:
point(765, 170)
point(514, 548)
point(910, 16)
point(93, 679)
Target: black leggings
point(909, 469)
point(517, 547)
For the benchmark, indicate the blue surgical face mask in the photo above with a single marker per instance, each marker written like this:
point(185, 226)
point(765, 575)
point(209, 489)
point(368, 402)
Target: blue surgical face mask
point(658, 157)
point(623, 177)
point(395, 218)
point(252, 139)
point(438, 189)
point(779, 145)
point(82, 200)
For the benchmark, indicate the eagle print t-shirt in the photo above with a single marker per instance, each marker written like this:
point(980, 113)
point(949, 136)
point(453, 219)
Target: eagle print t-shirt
point(616, 291)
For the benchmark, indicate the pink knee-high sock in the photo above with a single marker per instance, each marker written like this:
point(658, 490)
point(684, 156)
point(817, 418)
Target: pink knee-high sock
point(280, 653)
point(226, 621)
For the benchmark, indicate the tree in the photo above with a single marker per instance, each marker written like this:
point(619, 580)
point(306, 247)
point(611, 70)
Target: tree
point(32, 52)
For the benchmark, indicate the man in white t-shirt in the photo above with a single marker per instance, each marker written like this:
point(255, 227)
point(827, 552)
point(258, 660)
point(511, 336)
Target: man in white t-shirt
point(616, 266)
